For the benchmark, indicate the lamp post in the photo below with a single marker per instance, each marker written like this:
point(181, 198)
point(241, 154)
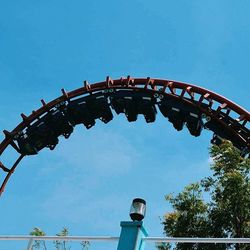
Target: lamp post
point(133, 231)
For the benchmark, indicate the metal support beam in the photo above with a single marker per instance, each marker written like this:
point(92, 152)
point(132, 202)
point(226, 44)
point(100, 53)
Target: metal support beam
point(29, 247)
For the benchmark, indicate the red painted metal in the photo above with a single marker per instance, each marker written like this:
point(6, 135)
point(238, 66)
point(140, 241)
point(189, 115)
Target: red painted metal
point(196, 96)
point(10, 172)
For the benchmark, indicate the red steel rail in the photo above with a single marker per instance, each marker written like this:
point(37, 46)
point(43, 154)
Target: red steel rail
point(191, 94)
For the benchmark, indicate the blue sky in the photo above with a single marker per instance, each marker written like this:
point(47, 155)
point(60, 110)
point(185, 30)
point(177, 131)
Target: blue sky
point(89, 180)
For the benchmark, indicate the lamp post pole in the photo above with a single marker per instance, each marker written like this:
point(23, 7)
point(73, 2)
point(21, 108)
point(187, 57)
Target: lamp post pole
point(131, 235)
point(132, 232)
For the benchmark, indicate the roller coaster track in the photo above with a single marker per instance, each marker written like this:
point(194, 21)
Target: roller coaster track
point(219, 114)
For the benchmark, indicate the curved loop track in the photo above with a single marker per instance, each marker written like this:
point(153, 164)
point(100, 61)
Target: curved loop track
point(226, 115)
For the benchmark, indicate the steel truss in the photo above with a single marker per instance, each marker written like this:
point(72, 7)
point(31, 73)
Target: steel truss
point(218, 114)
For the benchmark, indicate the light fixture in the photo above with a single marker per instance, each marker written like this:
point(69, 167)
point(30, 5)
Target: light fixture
point(138, 209)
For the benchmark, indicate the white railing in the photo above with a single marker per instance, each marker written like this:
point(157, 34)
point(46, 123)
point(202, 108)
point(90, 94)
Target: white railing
point(198, 240)
point(31, 239)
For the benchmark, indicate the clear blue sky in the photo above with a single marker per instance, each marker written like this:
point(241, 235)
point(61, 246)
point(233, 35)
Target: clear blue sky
point(89, 180)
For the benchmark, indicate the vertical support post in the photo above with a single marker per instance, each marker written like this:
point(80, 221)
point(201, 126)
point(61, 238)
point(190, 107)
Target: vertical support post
point(131, 235)
point(29, 247)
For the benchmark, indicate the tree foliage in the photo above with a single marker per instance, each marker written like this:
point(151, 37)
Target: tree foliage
point(62, 245)
point(38, 244)
point(58, 244)
point(226, 213)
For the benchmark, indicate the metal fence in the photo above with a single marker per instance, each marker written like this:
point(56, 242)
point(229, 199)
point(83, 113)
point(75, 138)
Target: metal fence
point(31, 239)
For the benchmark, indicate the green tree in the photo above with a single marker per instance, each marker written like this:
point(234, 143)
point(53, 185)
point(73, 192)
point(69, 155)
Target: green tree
point(59, 244)
point(85, 245)
point(62, 245)
point(227, 211)
point(230, 190)
point(38, 244)
point(189, 218)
